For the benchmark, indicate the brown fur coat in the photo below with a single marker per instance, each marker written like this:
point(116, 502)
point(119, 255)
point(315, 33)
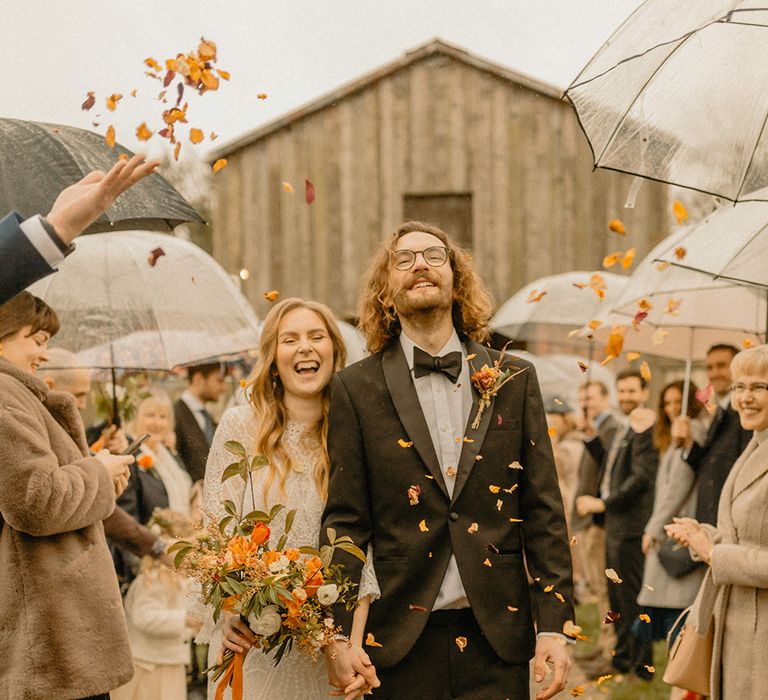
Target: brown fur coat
point(62, 627)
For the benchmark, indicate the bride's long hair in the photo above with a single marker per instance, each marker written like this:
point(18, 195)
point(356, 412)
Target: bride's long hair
point(266, 396)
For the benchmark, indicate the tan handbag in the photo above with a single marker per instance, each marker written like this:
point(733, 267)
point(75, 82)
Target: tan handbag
point(690, 655)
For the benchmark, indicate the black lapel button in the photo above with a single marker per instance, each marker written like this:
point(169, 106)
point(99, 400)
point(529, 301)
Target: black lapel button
point(454, 516)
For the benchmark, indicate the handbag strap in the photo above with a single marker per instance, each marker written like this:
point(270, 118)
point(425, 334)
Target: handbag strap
point(703, 608)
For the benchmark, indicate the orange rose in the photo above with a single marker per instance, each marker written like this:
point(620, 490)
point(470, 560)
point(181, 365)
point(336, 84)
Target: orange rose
point(313, 583)
point(260, 534)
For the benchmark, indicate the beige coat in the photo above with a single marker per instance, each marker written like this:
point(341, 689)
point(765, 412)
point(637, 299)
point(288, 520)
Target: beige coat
point(62, 628)
point(739, 581)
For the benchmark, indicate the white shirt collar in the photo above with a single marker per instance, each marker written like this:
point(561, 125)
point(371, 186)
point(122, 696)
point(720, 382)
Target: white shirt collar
point(193, 403)
point(453, 345)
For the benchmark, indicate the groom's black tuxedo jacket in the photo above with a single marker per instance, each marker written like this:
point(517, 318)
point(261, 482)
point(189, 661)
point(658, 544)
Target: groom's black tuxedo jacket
point(373, 405)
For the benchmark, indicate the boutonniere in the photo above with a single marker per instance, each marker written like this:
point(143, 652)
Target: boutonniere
point(146, 463)
point(488, 381)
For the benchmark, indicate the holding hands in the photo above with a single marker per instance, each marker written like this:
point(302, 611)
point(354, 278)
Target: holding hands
point(690, 533)
point(350, 670)
point(552, 650)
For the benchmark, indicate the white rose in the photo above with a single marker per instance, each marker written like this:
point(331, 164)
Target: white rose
point(267, 623)
point(279, 565)
point(328, 594)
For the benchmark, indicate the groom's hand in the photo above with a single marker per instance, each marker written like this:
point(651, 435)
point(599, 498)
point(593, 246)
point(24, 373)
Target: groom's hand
point(350, 670)
point(551, 649)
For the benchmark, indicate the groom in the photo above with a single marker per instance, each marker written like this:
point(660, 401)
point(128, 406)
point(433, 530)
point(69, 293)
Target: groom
point(454, 513)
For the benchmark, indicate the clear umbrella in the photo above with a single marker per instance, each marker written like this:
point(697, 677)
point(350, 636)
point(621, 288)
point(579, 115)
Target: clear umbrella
point(141, 300)
point(677, 94)
point(730, 244)
point(354, 341)
point(567, 301)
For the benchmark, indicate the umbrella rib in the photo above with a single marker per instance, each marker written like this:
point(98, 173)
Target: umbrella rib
point(640, 91)
point(752, 157)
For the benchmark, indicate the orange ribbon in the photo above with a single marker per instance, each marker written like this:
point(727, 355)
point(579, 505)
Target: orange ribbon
point(233, 675)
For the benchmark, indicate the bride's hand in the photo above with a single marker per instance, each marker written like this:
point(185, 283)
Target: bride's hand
point(236, 635)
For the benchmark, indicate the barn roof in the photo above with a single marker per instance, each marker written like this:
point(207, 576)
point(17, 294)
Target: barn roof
point(431, 48)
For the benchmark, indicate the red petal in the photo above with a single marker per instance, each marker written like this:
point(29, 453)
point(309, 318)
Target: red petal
point(169, 76)
point(89, 102)
point(310, 191)
point(154, 255)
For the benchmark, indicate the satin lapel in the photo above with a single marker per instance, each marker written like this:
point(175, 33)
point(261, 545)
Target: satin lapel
point(752, 468)
point(406, 400)
point(470, 450)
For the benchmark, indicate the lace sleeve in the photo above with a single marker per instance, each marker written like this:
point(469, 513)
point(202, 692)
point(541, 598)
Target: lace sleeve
point(233, 426)
point(368, 583)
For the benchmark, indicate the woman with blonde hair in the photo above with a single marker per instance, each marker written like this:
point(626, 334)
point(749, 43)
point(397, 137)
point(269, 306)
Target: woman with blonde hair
point(734, 594)
point(286, 421)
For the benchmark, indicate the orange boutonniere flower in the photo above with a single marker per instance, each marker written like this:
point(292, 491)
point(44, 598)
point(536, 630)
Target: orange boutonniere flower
point(488, 380)
point(146, 462)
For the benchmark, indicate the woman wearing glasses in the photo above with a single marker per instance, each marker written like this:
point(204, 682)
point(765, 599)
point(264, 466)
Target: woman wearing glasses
point(735, 590)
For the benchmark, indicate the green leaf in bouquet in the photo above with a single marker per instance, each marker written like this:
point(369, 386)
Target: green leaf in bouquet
point(310, 550)
point(282, 649)
point(235, 448)
point(275, 510)
point(181, 555)
point(176, 546)
point(352, 549)
point(326, 555)
point(258, 462)
point(281, 543)
point(230, 471)
point(331, 532)
point(257, 516)
point(224, 522)
point(289, 521)
point(230, 508)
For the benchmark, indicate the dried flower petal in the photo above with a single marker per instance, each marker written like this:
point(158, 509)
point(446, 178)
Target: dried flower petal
point(274, 295)
point(220, 164)
point(370, 640)
point(680, 212)
point(617, 226)
point(89, 101)
point(461, 642)
point(109, 139)
point(472, 529)
point(423, 526)
point(154, 256)
point(611, 575)
point(404, 443)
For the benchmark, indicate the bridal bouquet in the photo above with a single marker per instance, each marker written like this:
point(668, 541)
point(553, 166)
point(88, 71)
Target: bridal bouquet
point(284, 594)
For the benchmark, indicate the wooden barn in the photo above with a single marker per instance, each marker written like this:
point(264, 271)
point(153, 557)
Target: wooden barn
point(494, 157)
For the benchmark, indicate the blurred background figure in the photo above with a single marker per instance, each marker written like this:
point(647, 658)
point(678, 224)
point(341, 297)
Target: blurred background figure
point(195, 426)
point(568, 448)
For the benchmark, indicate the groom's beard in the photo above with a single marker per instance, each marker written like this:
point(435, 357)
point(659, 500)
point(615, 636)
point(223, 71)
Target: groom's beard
point(423, 309)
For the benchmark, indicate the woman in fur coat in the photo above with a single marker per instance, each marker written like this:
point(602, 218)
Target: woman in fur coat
point(62, 627)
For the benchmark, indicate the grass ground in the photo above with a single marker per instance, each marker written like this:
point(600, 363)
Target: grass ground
point(619, 688)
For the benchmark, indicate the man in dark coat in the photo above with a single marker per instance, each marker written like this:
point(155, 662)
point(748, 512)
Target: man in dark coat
point(452, 481)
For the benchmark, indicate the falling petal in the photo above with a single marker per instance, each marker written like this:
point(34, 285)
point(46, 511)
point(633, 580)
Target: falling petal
point(309, 191)
point(274, 295)
point(461, 642)
point(109, 139)
point(370, 640)
point(404, 443)
point(220, 164)
point(611, 575)
point(680, 212)
point(89, 101)
point(617, 226)
point(154, 256)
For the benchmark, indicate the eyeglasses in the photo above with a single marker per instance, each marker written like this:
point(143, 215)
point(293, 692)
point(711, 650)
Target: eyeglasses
point(759, 390)
point(434, 256)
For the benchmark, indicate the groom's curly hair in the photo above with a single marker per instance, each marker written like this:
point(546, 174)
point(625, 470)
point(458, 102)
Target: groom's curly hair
point(377, 315)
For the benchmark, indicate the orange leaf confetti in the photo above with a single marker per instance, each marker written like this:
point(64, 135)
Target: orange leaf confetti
point(370, 640)
point(611, 575)
point(288, 187)
point(499, 504)
point(552, 431)
point(461, 642)
point(494, 489)
point(176, 150)
point(604, 678)
point(423, 526)
point(680, 212)
point(615, 342)
point(644, 617)
point(414, 491)
point(611, 617)
point(632, 356)
point(680, 252)
point(213, 136)
point(747, 343)
point(535, 296)
point(472, 529)
point(644, 305)
point(404, 443)
point(196, 135)
point(549, 588)
point(662, 265)
point(112, 101)
point(611, 259)
point(594, 324)
point(133, 92)
point(645, 371)
point(628, 259)
point(143, 133)
point(223, 74)
point(617, 226)
point(560, 597)
point(261, 96)
point(274, 295)
point(154, 256)
point(513, 609)
point(515, 465)
point(577, 691)
point(109, 139)
point(309, 192)
point(90, 100)
point(582, 366)
point(220, 164)
point(672, 306)
point(487, 562)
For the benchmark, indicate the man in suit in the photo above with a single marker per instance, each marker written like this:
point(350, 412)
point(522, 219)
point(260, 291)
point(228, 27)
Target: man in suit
point(624, 498)
point(455, 500)
point(725, 440)
point(596, 421)
point(194, 424)
point(31, 249)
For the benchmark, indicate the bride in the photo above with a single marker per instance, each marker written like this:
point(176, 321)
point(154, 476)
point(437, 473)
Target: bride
point(286, 421)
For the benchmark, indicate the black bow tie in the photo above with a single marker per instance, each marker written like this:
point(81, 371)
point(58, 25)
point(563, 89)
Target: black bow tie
point(424, 363)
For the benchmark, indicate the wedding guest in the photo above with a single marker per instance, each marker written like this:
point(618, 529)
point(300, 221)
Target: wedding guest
point(625, 499)
point(418, 468)
point(286, 420)
point(59, 594)
point(159, 628)
point(726, 439)
point(30, 250)
point(568, 449)
point(735, 589)
point(195, 425)
point(670, 578)
point(62, 372)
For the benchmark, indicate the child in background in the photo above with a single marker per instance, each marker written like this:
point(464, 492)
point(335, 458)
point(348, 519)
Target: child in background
point(159, 628)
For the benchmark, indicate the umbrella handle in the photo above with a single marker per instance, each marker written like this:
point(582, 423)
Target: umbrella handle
point(115, 404)
point(687, 379)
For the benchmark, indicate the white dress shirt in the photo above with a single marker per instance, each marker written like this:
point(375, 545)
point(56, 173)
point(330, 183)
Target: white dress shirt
point(446, 407)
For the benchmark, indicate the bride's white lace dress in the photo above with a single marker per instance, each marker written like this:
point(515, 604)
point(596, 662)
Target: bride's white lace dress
point(297, 677)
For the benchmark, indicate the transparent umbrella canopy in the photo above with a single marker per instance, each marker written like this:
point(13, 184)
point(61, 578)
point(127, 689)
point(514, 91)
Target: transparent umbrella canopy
point(677, 94)
point(142, 300)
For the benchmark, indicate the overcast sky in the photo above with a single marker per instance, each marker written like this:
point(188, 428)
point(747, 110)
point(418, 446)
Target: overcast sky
point(54, 51)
